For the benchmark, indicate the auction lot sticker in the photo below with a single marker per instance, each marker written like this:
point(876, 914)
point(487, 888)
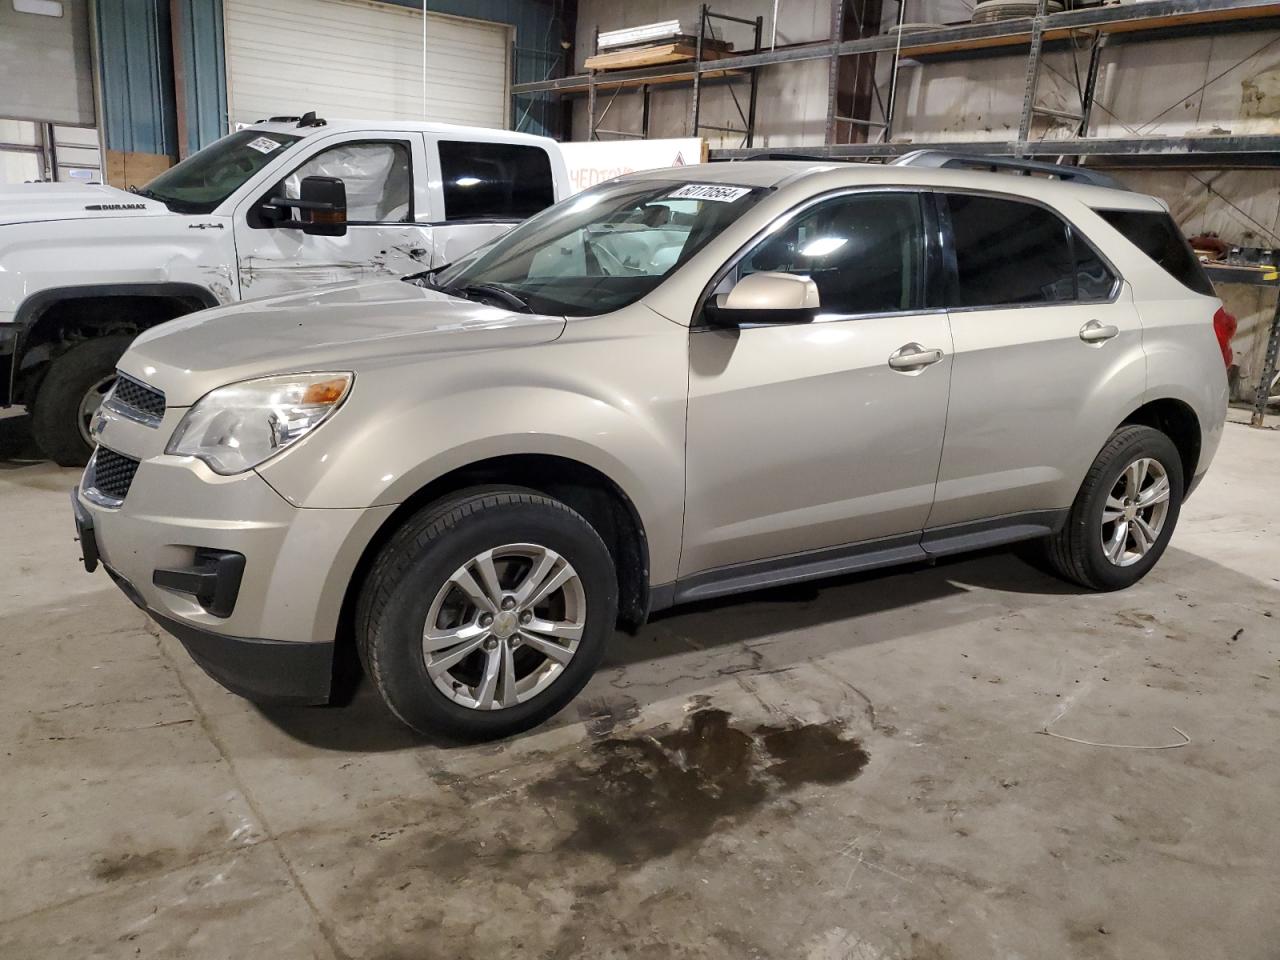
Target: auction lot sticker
point(263, 144)
point(719, 192)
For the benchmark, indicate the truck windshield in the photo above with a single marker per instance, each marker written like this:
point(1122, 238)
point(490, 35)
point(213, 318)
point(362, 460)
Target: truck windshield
point(603, 249)
point(203, 180)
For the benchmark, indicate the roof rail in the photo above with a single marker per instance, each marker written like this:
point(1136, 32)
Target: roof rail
point(308, 119)
point(979, 161)
point(787, 155)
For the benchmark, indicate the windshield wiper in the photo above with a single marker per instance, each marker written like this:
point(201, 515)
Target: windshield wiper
point(426, 278)
point(175, 206)
point(493, 292)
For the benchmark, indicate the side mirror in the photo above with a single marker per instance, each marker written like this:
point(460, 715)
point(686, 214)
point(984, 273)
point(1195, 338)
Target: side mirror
point(322, 206)
point(766, 298)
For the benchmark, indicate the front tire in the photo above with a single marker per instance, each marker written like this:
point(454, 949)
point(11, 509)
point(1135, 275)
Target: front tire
point(486, 613)
point(69, 396)
point(1125, 513)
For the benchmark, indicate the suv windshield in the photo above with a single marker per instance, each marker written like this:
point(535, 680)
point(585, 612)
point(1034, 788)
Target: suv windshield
point(203, 180)
point(603, 249)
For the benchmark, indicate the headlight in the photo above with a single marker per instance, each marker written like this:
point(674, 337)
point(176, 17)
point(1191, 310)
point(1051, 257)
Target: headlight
point(236, 427)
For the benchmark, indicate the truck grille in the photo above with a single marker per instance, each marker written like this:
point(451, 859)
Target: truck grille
point(136, 400)
point(113, 473)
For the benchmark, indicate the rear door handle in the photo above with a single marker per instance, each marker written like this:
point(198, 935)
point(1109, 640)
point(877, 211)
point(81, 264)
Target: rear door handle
point(1095, 332)
point(912, 356)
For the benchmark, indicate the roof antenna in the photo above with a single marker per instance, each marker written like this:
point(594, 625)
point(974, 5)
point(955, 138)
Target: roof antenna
point(309, 119)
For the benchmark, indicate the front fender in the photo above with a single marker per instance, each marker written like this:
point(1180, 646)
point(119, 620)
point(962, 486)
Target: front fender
point(558, 399)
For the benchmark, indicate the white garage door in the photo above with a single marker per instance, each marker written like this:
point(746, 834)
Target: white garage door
point(358, 60)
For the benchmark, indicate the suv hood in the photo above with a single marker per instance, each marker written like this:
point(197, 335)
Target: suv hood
point(41, 202)
point(345, 327)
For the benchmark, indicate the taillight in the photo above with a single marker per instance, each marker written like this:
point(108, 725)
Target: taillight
point(1224, 327)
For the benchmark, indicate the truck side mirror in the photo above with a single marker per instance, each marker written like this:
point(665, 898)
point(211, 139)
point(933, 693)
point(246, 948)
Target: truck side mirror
point(322, 206)
point(765, 298)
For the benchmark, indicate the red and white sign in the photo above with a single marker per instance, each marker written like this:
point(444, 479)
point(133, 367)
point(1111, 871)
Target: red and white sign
point(601, 160)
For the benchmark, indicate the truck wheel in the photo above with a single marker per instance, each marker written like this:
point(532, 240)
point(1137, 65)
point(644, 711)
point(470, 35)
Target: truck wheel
point(486, 613)
point(70, 395)
point(1124, 514)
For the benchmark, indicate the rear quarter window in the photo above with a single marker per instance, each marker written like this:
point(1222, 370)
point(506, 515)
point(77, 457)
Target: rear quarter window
point(1155, 234)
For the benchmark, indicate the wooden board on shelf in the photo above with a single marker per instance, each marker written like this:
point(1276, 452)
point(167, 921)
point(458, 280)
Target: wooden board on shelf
point(653, 55)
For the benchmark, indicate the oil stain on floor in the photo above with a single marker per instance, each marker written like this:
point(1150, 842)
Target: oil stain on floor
point(638, 797)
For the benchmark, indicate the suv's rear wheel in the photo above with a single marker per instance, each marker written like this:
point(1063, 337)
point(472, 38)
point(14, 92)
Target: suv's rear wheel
point(70, 395)
point(486, 613)
point(1124, 514)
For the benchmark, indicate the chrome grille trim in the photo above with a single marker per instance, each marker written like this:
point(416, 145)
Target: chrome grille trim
point(136, 401)
point(108, 477)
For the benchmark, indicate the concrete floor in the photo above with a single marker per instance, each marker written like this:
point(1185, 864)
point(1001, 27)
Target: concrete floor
point(844, 772)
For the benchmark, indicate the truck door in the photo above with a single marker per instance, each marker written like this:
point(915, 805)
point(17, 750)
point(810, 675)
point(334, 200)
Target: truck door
point(481, 189)
point(388, 218)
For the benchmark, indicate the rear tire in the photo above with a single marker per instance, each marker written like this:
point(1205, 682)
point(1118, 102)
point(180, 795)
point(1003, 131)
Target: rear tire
point(498, 660)
point(74, 379)
point(1124, 514)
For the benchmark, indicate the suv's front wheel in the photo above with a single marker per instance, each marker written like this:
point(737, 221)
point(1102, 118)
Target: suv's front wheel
point(1124, 514)
point(486, 613)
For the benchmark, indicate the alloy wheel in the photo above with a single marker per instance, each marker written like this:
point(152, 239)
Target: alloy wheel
point(1135, 512)
point(89, 405)
point(504, 626)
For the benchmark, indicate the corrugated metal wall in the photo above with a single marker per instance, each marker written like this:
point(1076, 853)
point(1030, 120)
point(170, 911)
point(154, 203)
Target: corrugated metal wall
point(138, 70)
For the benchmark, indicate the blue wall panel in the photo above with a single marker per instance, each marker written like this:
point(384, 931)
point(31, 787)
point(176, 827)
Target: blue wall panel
point(197, 31)
point(136, 59)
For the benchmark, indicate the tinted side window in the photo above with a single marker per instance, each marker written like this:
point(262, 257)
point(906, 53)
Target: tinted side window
point(1009, 252)
point(1156, 235)
point(509, 181)
point(864, 251)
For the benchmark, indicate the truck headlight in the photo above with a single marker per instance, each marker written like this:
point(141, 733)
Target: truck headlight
point(236, 427)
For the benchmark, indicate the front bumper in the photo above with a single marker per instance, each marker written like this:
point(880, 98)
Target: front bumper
point(265, 671)
point(274, 641)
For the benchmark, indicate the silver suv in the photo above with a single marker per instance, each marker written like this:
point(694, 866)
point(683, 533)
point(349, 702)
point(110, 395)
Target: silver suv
point(677, 385)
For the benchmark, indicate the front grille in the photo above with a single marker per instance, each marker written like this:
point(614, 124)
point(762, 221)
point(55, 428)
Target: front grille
point(137, 400)
point(113, 473)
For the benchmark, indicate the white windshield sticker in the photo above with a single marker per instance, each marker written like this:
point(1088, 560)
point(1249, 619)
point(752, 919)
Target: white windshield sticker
point(718, 192)
point(263, 145)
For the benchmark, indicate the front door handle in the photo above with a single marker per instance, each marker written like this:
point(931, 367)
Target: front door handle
point(912, 356)
point(1095, 332)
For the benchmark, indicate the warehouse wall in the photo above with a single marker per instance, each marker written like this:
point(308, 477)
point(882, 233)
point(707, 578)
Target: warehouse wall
point(1144, 89)
point(141, 81)
point(136, 61)
point(792, 105)
point(200, 70)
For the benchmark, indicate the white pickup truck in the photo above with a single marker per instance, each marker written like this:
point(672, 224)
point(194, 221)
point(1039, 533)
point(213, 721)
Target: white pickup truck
point(283, 205)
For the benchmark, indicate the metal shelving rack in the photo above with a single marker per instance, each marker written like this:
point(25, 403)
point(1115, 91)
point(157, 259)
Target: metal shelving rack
point(696, 73)
point(1153, 19)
